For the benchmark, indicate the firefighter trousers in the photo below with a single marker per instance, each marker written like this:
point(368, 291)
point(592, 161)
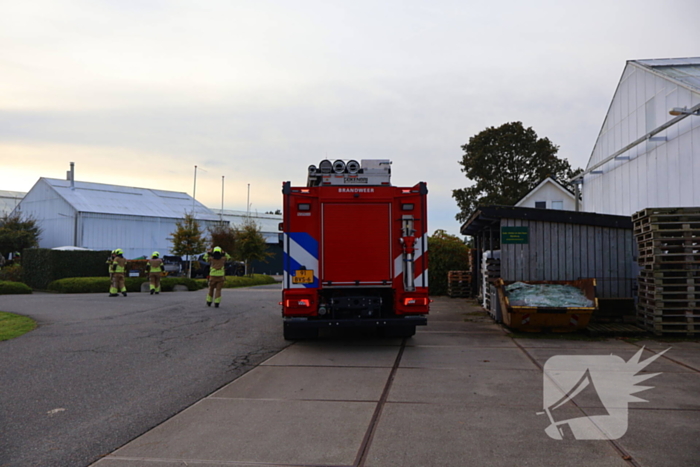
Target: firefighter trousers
point(215, 285)
point(154, 279)
point(118, 284)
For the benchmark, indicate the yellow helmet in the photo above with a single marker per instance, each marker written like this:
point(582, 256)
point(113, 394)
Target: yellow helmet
point(118, 251)
point(155, 254)
point(217, 249)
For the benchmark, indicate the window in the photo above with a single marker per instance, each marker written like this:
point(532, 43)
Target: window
point(558, 205)
point(541, 204)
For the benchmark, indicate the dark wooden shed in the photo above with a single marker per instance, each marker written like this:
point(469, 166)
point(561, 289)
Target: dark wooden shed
point(546, 244)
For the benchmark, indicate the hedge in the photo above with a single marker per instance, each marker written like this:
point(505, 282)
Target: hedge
point(8, 287)
point(243, 281)
point(102, 284)
point(42, 266)
point(447, 253)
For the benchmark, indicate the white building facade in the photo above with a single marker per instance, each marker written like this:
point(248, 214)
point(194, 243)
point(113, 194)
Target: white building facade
point(644, 156)
point(9, 201)
point(549, 194)
point(104, 217)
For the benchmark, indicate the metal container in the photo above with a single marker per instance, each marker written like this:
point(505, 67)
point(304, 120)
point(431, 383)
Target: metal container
point(555, 319)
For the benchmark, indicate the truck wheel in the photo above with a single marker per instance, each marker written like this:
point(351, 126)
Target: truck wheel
point(399, 331)
point(296, 334)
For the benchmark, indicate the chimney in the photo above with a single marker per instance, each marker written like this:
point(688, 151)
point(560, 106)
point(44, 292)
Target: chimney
point(71, 176)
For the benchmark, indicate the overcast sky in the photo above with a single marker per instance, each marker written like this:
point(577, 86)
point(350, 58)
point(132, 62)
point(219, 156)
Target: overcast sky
point(138, 92)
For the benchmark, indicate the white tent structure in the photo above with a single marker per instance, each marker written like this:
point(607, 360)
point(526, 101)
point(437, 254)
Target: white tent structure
point(648, 151)
point(104, 217)
point(267, 223)
point(9, 201)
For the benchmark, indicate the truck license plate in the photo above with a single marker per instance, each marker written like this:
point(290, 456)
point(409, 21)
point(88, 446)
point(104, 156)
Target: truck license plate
point(303, 276)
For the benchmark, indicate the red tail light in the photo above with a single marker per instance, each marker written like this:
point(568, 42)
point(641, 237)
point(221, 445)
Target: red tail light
point(298, 303)
point(415, 301)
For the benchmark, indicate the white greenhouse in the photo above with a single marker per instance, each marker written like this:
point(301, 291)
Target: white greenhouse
point(9, 201)
point(105, 217)
point(648, 151)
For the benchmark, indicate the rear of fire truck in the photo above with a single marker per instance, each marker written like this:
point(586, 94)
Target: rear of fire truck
point(355, 251)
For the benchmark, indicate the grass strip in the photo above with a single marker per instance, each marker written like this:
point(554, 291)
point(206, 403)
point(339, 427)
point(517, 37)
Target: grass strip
point(12, 325)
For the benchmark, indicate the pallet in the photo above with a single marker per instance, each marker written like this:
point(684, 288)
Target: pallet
point(652, 324)
point(666, 213)
point(664, 321)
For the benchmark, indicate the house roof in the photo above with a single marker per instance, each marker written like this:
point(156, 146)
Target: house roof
point(489, 217)
point(684, 71)
point(551, 180)
point(113, 199)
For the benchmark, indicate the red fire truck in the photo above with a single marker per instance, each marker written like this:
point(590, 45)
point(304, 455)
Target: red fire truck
point(355, 251)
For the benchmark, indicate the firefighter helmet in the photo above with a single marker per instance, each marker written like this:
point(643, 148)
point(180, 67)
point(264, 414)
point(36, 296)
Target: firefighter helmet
point(118, 251)
point(155, 254)
point(217, 249)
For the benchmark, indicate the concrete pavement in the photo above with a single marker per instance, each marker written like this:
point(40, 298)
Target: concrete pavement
point(460, 393)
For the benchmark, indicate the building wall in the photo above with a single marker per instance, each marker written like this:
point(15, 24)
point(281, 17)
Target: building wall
point(9, 201)
point(136, 235)
point(62, 226)
point(55, 217)
point(548, 193)
point(558, 251)
point(659, 173)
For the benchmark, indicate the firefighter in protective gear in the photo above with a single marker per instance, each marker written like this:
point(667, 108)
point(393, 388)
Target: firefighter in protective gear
point(217, 274)
point(154, 268)
point(109, 262)
point(118, 268)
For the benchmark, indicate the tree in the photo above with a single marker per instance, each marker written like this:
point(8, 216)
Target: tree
point(250, 243)
point(447, 253)
point(187, 240)
point(17, 233)
point(224, 236)
point(505, 163)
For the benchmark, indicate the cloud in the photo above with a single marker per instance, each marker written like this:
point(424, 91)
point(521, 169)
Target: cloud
point(138, 92)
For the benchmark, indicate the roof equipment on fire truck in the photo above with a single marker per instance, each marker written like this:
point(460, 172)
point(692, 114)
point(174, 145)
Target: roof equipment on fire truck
point(370, 172)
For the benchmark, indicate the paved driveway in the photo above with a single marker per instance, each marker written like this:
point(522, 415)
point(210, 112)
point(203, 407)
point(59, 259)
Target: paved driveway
point(460, 393)
point(100, 371)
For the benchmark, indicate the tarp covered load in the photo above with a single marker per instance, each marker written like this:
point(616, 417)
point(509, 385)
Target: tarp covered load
point(546, 295)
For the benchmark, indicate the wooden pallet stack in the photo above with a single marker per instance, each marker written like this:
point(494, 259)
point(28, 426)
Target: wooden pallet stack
point(459, 284)
point(668, 240)
point(490, 272)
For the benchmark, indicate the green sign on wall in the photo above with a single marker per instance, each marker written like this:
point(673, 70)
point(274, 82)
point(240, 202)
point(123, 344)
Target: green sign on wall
point(517, 235)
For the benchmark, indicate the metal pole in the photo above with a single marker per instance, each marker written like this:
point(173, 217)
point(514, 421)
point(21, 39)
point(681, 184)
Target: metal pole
point(221, 216)
point(248, 202)
point(194, 193)
point(194, 190)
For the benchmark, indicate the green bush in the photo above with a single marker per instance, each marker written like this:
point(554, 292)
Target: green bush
point(242, 281)
point(42, 266)
point(247, 281)
point(102, 284)
point(11, 273)
point(447, 253)
point(9, 287)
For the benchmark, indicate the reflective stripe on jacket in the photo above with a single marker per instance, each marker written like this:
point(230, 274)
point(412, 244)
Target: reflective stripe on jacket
point(217, 266)
point(119, 265)
point(154, 265)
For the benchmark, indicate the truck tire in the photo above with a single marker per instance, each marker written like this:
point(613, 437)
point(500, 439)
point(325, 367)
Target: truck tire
point(292, 334)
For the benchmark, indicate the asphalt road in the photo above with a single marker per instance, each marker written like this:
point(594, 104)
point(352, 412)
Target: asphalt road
point(100, 371)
